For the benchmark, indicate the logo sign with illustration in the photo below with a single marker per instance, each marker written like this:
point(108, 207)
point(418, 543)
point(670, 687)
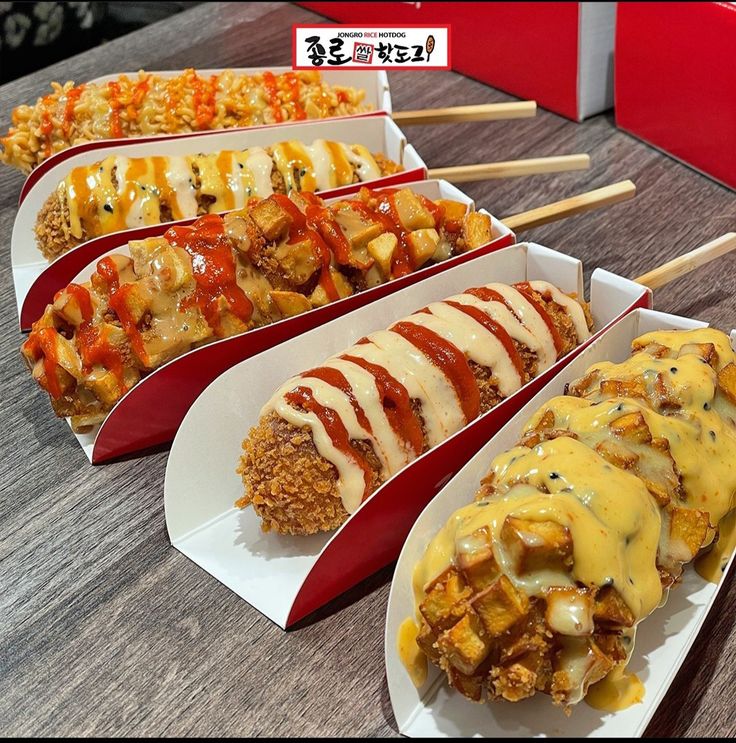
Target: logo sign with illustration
point(330, 46)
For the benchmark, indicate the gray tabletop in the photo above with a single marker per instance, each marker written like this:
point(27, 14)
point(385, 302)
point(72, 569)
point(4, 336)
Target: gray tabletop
point(106, 629)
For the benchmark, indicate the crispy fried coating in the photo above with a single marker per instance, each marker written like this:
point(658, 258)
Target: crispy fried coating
point(52, 231)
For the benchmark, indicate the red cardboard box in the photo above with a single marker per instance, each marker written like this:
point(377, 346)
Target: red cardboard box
point(559, 54)
point(676, 81)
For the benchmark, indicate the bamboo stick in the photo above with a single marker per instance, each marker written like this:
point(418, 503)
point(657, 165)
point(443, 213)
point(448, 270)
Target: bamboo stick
point(457, 114)
point(511, 168)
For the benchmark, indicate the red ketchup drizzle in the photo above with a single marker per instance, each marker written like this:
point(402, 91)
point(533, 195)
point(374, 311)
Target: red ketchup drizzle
point(272, 91)
point(81, 295)
point(301, 397)
point(107, 269)
point(293, 82)
point(214, 269)
point(389, 220)
point(336, 378)
point(116, 129)
point(118, 303)
point(71, 99)
point(449, 359)
point(498, 330)
point(204, 100)
point(396, 403)
point(301, 230)
point(47, 126)
point(139, 93)
point(523, 287)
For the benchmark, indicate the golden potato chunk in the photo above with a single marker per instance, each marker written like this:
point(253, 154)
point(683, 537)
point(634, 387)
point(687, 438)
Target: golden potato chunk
point(500, 606)
point(422, 245)
point(617, 454)
point(727, 381)
point(445, 602)
point(478, 565)
point(536, 545)
point(411, 211)
point(622, 388)
point(426, 640)
point(453, 211)
point(611, 611)
point(469, 686)
point(478, 230)
point(382, 249)
point(290, 303)
point(271, 219)
point(298, 261)
point(706, 351)
point(632, 427)
point(570, 611)
point(688, 531)
point(465, 644)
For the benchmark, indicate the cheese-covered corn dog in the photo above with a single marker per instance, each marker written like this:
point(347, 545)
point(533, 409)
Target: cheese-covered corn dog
point(577, 534)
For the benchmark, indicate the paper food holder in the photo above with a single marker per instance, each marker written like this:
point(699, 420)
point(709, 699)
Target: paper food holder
point(287, 578)
point(663, 639)
point(36, 280)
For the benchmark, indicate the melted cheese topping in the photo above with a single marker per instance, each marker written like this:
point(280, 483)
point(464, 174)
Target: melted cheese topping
point(120, 193)
point(619, 531)
point(426, 379)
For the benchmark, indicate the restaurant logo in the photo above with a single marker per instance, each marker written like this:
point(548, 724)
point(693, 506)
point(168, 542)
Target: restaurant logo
point(332, 46)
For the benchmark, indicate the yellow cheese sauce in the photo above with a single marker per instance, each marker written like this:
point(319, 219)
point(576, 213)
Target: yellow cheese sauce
point(609, 483)
point(613, 522)
point(413, 659)
point(618, 691)
point(712, 564)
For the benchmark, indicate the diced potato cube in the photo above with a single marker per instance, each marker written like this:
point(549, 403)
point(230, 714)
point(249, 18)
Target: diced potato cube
point(688, 532)
point(319, 297)
point(271, 219)
point(104, 385)
point(422, 244)
point(382, 249)
point(367, 231)
point(623, 388)
point(469, 686)
point(727, 381)
point(411, 211)
point(500, 606)
point(465, 644)
point(445, 601)
point(136, 300)
point(65, 355)
point(298, 261)
point(454, 211)
point(632, 427)
point(141, 252)
point(664, 395)
point(426, 640)
point(658, 492)
point(617, 454)
point(536, 545)
point(706, 351)
point(172, 267)
point(478, 230)
point(67, 307)
point(655, 350)
point(611, 611)
point(290, 303)
point(546, 421)
point(477, 564)
point(570, 611)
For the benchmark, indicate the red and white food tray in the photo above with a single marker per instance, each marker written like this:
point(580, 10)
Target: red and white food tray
point(374, 82)
point(663, 639)
point(172, 388)
point(287, 578)
point(36, 280)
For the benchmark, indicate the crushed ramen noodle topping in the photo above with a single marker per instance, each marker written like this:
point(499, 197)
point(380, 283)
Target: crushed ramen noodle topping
point(151, 104)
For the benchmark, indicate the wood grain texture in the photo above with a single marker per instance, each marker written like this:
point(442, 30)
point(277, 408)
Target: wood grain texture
point(108, 630)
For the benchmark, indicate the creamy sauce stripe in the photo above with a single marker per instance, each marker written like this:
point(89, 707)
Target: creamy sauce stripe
point(229, 178)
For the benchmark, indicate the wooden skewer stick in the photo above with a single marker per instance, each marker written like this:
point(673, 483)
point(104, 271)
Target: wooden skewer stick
point(688, 262)
point(579, 204)
point(456, 114)
point(511, 168)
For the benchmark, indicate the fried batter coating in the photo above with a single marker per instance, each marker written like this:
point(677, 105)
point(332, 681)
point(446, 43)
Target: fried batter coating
point(52, 231)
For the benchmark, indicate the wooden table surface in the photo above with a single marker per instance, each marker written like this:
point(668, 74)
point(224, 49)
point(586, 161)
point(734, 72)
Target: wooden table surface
point(106, 629)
